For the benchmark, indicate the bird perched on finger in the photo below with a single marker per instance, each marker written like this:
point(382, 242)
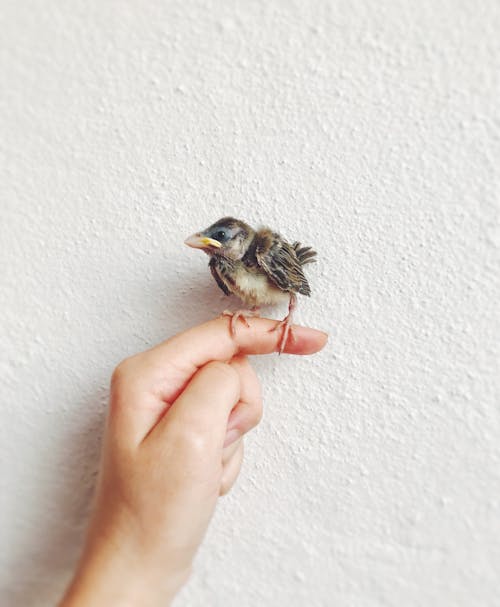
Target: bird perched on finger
point(259, 266)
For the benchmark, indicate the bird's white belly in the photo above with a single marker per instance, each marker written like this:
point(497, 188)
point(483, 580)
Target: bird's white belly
point(255, 290)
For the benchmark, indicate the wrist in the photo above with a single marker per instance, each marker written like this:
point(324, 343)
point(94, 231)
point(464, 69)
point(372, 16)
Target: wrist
point(115, 574)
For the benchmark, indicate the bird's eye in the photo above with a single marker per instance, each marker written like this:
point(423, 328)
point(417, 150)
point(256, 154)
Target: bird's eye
point(220, 235)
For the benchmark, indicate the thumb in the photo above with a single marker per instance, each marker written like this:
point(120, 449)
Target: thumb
point(204, 406)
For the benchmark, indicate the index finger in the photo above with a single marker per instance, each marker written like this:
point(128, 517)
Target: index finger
point(213, 341)
point(154, 379)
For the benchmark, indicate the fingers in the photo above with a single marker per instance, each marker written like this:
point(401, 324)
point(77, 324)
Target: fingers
point(134, 407)
point(247, 413)
point(228, 452)
point(213, 341)
point(144, 385)
point(232, 469)
point(203, 408)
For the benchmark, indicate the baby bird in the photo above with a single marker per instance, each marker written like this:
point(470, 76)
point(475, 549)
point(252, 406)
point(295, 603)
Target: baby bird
point(259, 266)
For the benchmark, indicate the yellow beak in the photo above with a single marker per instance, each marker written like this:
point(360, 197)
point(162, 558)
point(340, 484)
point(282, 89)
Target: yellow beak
point(196, 241)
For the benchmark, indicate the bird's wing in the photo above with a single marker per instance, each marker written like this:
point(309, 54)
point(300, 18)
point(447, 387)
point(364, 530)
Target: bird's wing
point(278, 259)
point(220, 283)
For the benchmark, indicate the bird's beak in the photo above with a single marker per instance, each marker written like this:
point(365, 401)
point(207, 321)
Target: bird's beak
point(197, 241)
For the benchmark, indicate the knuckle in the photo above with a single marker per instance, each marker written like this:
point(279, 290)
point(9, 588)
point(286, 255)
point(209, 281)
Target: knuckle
point(253, 415)
point(196, 441)
point(122, 370)
point(231, 471)
point(189, 439)
point(225, 487)
point(257, 412)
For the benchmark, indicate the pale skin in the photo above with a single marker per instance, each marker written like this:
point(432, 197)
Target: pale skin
point(173, 444)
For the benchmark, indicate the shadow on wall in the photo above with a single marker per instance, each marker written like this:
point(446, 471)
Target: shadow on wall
point(62, 483)
point(190, 299)
point(66, 478)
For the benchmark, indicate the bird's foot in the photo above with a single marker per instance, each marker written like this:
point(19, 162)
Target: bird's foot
point(286, 323)
point(243, 314)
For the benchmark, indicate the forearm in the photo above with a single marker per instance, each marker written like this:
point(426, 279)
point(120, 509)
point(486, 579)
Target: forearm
point(113, 575)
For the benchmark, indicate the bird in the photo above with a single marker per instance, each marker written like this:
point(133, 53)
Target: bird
point(259, 266)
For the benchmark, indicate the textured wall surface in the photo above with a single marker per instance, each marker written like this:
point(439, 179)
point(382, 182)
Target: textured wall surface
point(369, 129)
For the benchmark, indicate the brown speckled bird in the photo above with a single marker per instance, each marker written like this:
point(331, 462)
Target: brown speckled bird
point(259, 266)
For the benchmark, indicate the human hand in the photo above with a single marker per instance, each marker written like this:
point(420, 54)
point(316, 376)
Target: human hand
point(172, 445)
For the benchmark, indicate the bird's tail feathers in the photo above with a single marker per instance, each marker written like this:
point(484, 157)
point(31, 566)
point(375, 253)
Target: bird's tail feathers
point(304, 254)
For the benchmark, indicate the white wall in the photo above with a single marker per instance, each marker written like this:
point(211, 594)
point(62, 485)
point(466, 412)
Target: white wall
point(368, 129)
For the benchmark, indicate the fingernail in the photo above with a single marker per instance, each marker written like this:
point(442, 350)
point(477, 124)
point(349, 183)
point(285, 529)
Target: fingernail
point(232, 436)
point(309, 333)
point(310, 330)
point(319, 331)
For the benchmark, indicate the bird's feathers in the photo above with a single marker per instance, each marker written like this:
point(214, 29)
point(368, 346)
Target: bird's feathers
point(216, 273)
point(260, 267)
point(250, 284)
point(304, 254)
point(279, 260)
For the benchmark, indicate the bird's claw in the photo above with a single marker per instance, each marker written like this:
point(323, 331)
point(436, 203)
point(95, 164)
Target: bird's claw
point(288, 332)
point(239, 314)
